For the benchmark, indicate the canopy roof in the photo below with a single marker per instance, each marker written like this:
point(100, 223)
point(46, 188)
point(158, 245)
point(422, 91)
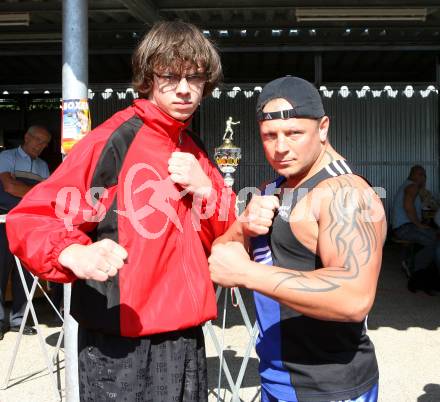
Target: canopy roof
point(349, 40)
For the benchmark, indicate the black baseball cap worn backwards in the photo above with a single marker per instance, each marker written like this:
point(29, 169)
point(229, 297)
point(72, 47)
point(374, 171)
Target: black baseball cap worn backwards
point(301, 94)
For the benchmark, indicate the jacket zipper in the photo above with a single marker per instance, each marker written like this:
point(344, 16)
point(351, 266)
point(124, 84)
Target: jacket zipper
point(193, 294)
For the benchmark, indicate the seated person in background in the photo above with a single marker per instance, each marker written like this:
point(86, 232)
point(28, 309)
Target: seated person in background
point(20, 169)
point(407, 225)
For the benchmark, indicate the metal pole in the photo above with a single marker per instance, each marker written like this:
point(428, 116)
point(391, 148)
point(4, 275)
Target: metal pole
point(437, 85)
point(75, 85)
point(318, 69)
point(220, 369)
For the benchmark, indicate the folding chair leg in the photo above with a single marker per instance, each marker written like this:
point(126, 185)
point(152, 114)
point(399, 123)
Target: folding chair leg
point(244, 363)
point(20, 334)
point(30, 307)
point(58, 345)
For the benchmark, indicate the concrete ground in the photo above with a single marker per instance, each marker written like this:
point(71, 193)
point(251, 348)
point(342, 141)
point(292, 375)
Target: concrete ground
point(405, 329)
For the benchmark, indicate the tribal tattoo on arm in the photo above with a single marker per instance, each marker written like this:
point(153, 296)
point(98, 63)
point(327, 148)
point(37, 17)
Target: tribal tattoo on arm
point(351, 233)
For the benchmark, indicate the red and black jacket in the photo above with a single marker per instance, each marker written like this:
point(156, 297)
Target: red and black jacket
point(118, 177)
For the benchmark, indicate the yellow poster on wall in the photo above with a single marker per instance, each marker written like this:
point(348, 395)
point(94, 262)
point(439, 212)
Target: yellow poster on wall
point(76, 122)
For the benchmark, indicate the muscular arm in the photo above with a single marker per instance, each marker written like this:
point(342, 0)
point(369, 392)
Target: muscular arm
point(350, 248)
point(13, 186)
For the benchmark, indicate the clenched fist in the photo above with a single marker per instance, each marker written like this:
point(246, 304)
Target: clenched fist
point(97, 261)
point(228, 264)
point(257, 218)
point(186, 171)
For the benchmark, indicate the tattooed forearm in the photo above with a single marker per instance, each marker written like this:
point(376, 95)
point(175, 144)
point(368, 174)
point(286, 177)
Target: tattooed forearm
point(351, 234)
point(301, 280)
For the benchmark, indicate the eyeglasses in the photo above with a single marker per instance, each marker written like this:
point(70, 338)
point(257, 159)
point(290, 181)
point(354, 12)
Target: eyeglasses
point(171, 81)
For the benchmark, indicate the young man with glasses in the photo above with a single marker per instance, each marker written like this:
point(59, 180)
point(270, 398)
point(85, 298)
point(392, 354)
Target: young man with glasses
point(130, 241)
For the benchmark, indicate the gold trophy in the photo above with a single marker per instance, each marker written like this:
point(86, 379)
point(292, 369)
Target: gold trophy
point(227, 156)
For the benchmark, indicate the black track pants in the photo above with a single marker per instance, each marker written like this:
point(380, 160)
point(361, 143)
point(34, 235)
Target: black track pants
point(169, 367)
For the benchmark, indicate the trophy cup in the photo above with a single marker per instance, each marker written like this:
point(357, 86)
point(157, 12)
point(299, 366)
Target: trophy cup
point(227, 155)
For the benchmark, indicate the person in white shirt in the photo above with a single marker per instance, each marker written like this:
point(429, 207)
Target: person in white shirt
point(20, 169)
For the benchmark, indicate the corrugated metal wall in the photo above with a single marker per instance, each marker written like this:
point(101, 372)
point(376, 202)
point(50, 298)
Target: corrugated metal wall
point(381, 136)
point(101, 109)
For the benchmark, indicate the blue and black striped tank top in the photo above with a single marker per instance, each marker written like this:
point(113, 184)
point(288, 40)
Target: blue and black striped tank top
point(302, 358)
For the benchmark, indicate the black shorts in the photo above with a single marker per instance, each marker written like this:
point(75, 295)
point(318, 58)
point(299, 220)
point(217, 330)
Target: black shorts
point(168, 367)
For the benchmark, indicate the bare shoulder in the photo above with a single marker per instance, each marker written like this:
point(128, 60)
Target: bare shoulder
point(352, 188)
point(412, 189)
point(348, 199)
point(349, 180)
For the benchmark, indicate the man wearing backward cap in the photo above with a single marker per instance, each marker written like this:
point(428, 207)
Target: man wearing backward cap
point(316, 235)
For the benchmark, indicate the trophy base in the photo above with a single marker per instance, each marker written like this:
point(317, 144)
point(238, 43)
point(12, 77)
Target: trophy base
point(229, 180)
point(228, 169)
